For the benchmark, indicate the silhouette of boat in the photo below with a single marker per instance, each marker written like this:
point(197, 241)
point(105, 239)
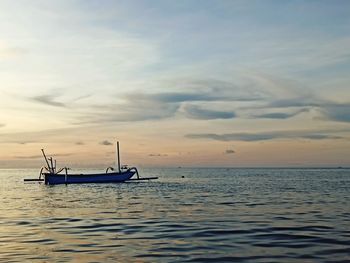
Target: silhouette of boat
point(51, 176)
point(115, 177)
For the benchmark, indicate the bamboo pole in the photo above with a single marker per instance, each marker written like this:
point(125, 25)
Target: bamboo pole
point(52, 168)
point(118, 155)
point(47, 162)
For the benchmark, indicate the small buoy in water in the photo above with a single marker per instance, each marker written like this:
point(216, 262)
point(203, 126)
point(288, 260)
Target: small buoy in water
point(183, 176)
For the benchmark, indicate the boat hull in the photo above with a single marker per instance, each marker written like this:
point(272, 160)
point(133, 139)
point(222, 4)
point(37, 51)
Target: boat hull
point(52, 179)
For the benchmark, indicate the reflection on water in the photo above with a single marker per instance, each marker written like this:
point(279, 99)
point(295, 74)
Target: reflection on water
point(211, 215)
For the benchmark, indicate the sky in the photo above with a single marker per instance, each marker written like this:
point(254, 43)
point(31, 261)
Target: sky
point(178, 83)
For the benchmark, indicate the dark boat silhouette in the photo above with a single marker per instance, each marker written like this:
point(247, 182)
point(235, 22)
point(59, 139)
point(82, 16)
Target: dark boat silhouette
point(51, 176)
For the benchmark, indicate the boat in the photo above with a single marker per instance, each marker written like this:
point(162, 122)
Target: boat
point(115, 177)
point(50, 175)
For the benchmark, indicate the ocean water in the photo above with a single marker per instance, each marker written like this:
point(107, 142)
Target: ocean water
point(210, 215)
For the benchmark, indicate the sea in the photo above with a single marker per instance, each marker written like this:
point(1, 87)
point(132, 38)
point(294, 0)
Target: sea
point(187, 215)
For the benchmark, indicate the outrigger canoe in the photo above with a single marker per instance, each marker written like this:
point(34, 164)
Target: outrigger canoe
point(50, 176)
point(118, 177)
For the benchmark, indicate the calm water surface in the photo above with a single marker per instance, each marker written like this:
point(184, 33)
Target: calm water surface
point(211, 215)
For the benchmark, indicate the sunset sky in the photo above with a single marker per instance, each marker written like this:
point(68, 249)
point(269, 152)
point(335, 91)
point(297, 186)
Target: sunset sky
point(178, 83)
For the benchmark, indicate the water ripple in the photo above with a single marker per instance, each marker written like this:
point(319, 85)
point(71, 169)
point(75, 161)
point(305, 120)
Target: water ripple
point(244, 215)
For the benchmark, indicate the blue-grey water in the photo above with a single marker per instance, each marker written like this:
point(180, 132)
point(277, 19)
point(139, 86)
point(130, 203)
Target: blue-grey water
point(210, 215)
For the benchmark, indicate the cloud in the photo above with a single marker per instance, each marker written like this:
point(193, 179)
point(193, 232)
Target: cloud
point(106, 142)
point(194, 97)
point(275, 115)
point(330, 110)
point(337, 112)
point(195, 112)
point(51, 99)
point(24, 142)
point(230, 151)
point(40, 156)
point(82, 97)
point(79, 143)
point(250, 137)
point(141, 106)
point(197, 95)
point(232, 136)
point(48, 100)
point(317, 136)
point(290, 96)
point(41, 136)
point(135, 110)
point(61, 154)
point(29, 157)
point(2, 125)
point(296, 102)
point(208, 90)
point(280, 115)
point(157, 155)
point(171, 97)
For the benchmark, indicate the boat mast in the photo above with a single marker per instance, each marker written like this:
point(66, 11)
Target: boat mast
point(118, 155)
point(47, 162)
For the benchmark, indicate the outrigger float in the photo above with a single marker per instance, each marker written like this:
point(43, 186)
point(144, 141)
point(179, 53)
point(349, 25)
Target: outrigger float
point(50, 175)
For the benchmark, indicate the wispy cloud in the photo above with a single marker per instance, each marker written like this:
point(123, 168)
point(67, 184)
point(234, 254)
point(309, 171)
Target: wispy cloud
point(280, 115)
point(129, 111)
point(82, 97)
point(40, 156)
point(49, 99)
point(61, 154)
point(140, 106)
point(203, 90)
point(106, 143)
point(23, 142)
point(79, 143)
point(157, 155)
point(196, 112)
point(263, 136)
point(296, 102)
point(15, 141)
point(29, 157)
point(337, 112)
point(329, 110)
point(274, 98)
point(42, 136)
point(289, 97)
